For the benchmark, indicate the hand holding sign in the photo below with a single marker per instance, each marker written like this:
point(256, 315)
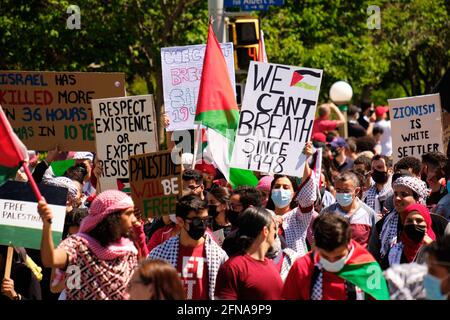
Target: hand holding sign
point(45, 211)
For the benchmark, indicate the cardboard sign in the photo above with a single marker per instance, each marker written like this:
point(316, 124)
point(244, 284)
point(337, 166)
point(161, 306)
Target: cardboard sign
point(123, 127)
point(54, 108)
point(182, 71)
point(276, 118)
point(20, 223)
point(155, 182)
point(416, 126)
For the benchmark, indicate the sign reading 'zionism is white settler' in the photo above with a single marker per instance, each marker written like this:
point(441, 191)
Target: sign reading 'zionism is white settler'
point(182, 70)
point(276, 118)
point(123, 127)
point(20, 223)
point(416, 126)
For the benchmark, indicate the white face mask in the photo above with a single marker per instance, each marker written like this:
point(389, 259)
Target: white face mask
point(333, 266)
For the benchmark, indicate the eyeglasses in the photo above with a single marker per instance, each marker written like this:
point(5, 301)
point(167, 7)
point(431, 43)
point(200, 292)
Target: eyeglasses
point(194, 187)
point(197, 221)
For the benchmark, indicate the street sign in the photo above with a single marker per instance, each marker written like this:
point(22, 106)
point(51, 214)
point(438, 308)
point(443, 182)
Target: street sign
point(251, 5)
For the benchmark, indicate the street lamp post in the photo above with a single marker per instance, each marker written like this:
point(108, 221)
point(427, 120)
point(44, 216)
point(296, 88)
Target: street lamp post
point(341, 94)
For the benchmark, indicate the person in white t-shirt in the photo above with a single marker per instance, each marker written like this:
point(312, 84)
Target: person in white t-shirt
point(386, 137)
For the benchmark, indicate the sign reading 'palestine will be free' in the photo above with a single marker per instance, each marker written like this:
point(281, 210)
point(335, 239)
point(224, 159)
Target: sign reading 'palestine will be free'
point(47, 109)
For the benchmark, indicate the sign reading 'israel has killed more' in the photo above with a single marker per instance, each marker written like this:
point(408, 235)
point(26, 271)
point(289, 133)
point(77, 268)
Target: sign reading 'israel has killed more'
point(276, 118)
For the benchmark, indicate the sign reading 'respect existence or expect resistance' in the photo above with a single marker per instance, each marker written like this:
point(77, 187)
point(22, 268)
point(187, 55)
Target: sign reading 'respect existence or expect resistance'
point(416, 126)
point(123, 127)
point(20, 223)
point(155, 182)
point(47, 109)
point(276, 118)
point(182, 71)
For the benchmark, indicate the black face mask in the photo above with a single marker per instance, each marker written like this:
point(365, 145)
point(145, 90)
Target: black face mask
point(380, 177)
point(415, 232)
point(232, 216)
point(197, 228)
point(212, 211)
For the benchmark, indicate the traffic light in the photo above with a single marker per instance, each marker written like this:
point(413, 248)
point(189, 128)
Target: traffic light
point(244, 33)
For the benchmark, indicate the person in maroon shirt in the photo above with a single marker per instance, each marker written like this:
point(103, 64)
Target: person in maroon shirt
point(323, 122)
point(250, 275)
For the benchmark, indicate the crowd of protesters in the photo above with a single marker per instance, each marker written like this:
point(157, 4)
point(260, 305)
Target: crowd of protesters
point(285, 238)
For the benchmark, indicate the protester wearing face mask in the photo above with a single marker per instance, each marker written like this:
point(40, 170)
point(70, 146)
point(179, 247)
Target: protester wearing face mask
point(297, 215)
point(377, 194)
point(361, 217)
point(337, 268)
point(433, 172)
point(416, 232)
point(437, 281)
point(407, 190)
point(242, 198)
point(250, 275)
point(218, 203)
point(194, 253)
point(340, 160)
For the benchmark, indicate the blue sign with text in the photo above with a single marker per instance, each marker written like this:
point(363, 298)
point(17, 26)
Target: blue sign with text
point(250, 5)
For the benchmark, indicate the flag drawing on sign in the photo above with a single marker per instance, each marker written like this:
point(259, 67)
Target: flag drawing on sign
point(306, 79)
point(124, 185)
point(12, 152)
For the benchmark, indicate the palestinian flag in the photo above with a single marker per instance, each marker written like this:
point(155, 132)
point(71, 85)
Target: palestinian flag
point(364, 272)
point(217, 110)
point(306, 79)
point(12, 151)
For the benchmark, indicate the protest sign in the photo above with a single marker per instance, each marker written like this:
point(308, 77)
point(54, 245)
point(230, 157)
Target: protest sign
point(181, 71)
point(416, 126)
point(20, 223)
point(276, 118)
point(155, 182)
point(47, 109)
point(123, 127)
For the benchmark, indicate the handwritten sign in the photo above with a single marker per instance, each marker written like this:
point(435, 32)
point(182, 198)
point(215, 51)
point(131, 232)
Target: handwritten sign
point(416, 126)
point(182, 71)
point(123, 127)
point(276, 118)
point(20, 223)
point(47, 109)
point(155, 182)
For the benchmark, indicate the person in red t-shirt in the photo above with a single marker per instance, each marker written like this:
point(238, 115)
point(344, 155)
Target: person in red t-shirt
point(250, 275)
point(314, 276)
point(323, 123)
point(193, 253)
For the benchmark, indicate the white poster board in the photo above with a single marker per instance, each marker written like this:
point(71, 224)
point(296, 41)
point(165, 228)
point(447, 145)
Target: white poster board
point(123, 127)
point(276, 118)
point(181, 72)
point(416, 126)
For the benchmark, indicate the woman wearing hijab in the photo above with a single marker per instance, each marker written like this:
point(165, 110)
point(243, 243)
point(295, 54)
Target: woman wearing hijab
point(416, 232)
point(99, 258)
point(407, 191)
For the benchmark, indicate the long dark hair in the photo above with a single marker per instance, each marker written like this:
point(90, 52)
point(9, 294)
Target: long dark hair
point(270, 205)
point(251, 222)
point(222, 194)
point(164, 277)
point(108, 230)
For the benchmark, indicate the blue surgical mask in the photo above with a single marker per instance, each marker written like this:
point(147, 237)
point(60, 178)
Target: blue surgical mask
point(344, 199)
point(281, 197)
point(432, 287)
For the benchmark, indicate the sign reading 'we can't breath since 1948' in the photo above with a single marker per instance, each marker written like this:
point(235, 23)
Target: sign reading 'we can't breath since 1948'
point(276, 118)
